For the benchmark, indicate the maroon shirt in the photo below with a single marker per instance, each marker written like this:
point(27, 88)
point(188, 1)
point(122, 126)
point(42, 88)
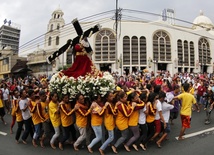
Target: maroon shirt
point(201, 90)
point(130, 84)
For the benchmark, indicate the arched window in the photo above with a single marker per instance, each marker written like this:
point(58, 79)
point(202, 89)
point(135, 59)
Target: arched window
point(58, 26)
point(180, 52)
point(186, 53)
point(143, 54)
point(105, 46)
point(126, 50)
point(161, 46)
point(204, 51)
point(192, 54)
point(49, 41)
point(134, 50)
point(51, 28)
point(57, 40)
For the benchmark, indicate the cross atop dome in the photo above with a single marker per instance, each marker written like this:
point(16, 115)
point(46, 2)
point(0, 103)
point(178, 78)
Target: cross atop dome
point(202, 21)
point(59, 7)
point(201, 13)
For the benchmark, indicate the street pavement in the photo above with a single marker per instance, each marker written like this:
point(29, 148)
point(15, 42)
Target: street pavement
point(197, 145)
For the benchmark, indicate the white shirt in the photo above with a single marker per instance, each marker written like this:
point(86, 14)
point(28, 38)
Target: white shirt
point(159, 108)
point(22, 105)
point(191, 80)
point(169, 97)
point(19, 87)
point(142, 116)
point(166, 111)
point(5, 93)
point(195, 86)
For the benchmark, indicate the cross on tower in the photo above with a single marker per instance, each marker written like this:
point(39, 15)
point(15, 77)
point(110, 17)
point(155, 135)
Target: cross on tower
point(71, 43)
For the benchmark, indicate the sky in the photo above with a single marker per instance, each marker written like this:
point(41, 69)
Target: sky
point(34, 15)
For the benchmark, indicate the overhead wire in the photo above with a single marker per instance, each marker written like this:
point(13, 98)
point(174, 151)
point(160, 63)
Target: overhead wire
point(90, 20)
point(63, 34)
point(167, 26)
point(159, 15)
point(86, 18)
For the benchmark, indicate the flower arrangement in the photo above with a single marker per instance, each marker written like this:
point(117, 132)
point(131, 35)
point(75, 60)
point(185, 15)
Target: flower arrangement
point(88, 86)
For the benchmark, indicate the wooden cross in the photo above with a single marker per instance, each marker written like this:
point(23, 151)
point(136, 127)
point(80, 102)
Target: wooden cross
point(71, 43)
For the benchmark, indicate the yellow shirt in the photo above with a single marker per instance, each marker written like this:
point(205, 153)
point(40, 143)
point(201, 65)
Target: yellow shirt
point(81, 115)
point(33, 109)
point(66, 115)
point(96, 114)
point(134, 117)
point(13, 113)
point(186, 105)
point(151, 114)
point(42, 109)
point(192, 91)
point(17, 111)
point(182, 90)
point(109, 117)
point(1, 103)
point(54, 115)
point(122, 117)
point(19, 115)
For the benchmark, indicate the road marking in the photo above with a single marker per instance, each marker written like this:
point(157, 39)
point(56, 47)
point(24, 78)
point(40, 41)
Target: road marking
point(3, 133)
point(197, 133)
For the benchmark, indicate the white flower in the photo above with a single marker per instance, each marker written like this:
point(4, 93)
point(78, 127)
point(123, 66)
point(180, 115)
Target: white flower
point(88, 86)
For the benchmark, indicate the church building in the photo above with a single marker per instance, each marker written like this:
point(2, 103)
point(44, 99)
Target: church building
point(135, 45)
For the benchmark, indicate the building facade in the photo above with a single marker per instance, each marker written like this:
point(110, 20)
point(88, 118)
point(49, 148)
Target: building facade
point(37, 59)
point(157, 45)
point(9, 46)
point(9, 36)
point(10, 60)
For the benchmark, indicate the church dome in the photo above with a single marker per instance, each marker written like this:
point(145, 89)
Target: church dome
point(202, 22)
point(211, 32)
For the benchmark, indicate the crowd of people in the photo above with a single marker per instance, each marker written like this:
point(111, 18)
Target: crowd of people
point(140, 110)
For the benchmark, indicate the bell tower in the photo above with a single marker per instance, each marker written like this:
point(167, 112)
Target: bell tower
point(52, 37)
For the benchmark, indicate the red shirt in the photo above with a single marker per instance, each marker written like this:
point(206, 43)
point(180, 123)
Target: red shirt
point(12, 87)
point(158, 81)
point(201, 90)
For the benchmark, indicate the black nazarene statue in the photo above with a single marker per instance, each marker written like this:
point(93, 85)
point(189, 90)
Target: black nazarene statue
point(82, 65)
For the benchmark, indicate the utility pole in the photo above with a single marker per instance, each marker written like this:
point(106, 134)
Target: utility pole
point(117, 18)
point(116, 25)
